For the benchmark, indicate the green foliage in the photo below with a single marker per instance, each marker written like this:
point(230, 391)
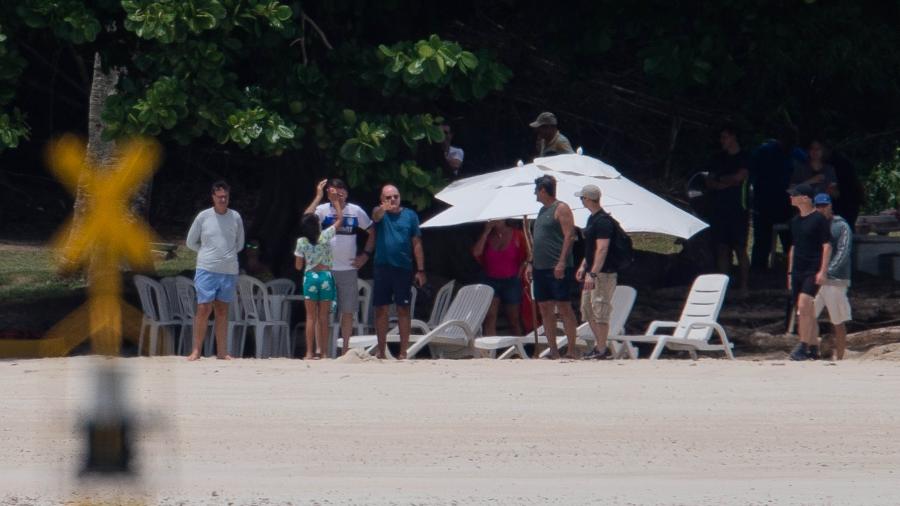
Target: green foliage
point(883, 186)
point(428, 66)
point(12, 123)
point(71, 20)
point(231, 70)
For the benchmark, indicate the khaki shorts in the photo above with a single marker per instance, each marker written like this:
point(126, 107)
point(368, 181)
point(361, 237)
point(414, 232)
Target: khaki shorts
point(834, 297)
point(347, 291)
point(596, 304)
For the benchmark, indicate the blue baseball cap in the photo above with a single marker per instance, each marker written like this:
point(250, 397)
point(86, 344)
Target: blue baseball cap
point(822, 199)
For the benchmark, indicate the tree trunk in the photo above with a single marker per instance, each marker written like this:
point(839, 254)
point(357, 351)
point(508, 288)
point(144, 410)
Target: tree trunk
point(102, 154)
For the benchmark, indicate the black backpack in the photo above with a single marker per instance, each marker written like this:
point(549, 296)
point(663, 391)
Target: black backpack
point(621, 249)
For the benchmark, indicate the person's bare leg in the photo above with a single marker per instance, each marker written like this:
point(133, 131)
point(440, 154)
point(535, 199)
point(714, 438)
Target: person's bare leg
point(346, 330)
point(601, 333)
point(840, 340)
point(310, 306)
point(515, 321)
point(381, 328)
point(322, 330)
point(548, 316)
point(221, 326)
point(806, 320)
point(404, 322)
point(201, 320)
point(490, 319)
point(570, 324)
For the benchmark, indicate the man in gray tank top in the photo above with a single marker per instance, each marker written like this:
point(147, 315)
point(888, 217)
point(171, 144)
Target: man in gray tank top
point(551, 268)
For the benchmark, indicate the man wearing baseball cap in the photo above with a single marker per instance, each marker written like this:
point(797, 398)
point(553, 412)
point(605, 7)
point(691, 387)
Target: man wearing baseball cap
point(807, 267)
point(833, 293)
point(598, 275)
point(549, 139)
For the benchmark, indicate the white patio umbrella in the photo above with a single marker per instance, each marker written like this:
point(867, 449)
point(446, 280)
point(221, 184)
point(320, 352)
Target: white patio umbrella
point(509, 193)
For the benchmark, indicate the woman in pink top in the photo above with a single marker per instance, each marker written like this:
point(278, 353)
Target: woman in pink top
point(501, 252)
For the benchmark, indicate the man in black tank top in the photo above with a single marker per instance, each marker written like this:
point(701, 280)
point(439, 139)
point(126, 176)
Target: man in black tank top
point(807, 267)
point(551, 267)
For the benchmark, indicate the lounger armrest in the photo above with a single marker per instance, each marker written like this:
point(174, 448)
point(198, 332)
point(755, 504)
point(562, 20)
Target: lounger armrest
point(470, 334)
point(659, 324)
point(416, 326)
point(718, 329)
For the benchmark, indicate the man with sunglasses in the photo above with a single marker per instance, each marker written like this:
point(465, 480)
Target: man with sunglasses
point(397, 241)
point(551, 268)
point(833, 292)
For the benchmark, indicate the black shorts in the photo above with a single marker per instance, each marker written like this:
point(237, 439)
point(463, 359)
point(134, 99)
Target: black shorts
point(730, 229)
point(803, 283)
point(508, 290)
point(547, 287)
point(393, 285)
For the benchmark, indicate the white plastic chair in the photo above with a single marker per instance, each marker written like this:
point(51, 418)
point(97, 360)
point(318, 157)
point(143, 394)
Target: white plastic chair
point(622, 303)
point(442, 301)
point(169, 285)
point(456, 332)
point(157, 316)
point(695, 327)
point(281, 286)
point(272, 336)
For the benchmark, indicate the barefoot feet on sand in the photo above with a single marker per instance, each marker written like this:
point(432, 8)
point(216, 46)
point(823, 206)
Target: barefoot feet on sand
point(224, 357)
point(195, 355)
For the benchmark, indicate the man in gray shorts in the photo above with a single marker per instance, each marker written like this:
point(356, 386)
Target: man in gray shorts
point(343, 247)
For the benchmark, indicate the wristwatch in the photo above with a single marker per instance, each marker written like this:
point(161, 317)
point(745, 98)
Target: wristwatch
point(592, 274)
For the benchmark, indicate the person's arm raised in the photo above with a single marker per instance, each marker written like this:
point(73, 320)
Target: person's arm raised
point(320, 192)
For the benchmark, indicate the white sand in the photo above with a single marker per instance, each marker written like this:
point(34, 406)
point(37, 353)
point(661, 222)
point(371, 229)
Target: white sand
point(469, 432)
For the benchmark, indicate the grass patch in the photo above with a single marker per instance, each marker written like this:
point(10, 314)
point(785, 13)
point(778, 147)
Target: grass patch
point(655, 243)
point(29, 273)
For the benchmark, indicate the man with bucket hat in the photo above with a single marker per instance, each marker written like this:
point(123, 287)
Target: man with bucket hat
point(550, 141)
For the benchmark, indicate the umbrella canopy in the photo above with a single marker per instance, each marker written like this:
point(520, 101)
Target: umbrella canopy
point(509, 193)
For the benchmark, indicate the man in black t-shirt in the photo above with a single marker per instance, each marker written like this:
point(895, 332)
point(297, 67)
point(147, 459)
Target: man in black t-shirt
point(729, 220)
point(807, 267)
point(598, 275)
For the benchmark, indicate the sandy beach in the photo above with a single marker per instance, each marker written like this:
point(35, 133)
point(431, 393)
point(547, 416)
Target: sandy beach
point(357, 431)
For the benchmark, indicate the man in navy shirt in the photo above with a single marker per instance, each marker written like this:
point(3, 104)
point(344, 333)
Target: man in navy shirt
point(807, 267)
point(397, 241)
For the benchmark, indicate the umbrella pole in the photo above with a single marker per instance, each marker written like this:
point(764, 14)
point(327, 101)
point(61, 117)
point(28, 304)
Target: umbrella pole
point(528, 244)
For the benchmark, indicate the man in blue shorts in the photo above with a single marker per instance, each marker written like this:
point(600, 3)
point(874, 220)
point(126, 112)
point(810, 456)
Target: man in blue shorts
point(217, 235)
point(551, 267)
point(397, 241)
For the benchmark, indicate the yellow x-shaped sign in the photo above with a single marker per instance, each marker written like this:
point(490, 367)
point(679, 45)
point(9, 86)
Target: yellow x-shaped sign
point(107, 230)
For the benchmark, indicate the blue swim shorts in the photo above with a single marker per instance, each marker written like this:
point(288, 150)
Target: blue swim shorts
point(212, 286)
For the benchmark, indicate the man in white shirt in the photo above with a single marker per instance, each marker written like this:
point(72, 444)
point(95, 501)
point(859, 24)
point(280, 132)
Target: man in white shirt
point(453, 156)
point(343, 247)
point(217, 235)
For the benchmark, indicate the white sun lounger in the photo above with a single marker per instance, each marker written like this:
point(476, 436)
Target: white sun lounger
point(623, 301)
point(456, 331)
point(695, 327)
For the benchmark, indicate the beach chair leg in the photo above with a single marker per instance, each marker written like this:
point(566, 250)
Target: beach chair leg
point(522, 353)
point(693, 354)
point(660, 346)
point(507, 353)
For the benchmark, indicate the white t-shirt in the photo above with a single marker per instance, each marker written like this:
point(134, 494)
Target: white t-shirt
point(217, 239)
point(343, 245)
